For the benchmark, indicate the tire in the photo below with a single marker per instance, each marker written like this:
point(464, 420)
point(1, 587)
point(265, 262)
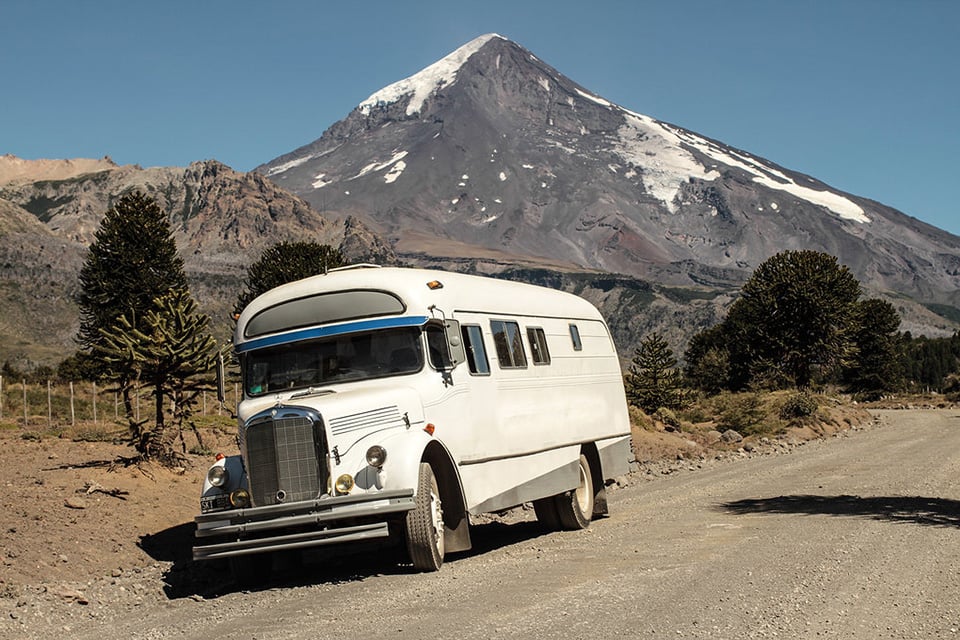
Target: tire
point(575, 507)
point(424, 524)
point(547, 516)
point(251, 570)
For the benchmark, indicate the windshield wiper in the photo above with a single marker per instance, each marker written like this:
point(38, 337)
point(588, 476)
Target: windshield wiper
point(311, 391)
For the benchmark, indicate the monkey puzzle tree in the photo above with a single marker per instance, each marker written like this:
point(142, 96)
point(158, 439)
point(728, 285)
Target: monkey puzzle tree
point(132, 261)
point(795, 313)
point(876, 367)
point(131, 265)
point(653, 381)
point(169, 350)
point(285, 262)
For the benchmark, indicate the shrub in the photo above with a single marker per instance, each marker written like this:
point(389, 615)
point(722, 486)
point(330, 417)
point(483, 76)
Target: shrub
point(798, 405)
point(743, 413)
point(640, 419)
point(667, 417)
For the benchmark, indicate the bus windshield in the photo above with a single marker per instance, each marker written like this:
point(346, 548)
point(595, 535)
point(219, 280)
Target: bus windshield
point(343, 358)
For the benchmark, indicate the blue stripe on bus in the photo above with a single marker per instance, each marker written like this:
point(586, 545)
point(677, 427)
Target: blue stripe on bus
point(335, 330)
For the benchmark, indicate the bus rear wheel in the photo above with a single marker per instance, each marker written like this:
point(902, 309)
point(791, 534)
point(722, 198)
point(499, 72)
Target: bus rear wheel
point(424, 524)
point(546, 511)
point(575, 507)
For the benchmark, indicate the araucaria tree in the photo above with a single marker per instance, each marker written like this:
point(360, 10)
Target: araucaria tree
point(797, 316)
point(877, 367)
point(132, 263)
point(285, 262)
point(795, 313)
point(169, 350)
point(653, 381)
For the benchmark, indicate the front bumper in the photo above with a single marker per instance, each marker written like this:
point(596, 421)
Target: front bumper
point(299, 525)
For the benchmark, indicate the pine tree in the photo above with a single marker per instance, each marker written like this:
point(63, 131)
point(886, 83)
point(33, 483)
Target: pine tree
point(795, 313)
point(653, 381)
point(133, 261)
point(285, 262)
point(708, 360)
point(169, 350)
point(131, 265)
point(876, 368)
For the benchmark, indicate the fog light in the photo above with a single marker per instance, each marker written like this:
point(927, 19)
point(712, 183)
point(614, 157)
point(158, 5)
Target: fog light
point(344, 484)
point(376, 456)
point(240, 499)
point(218, 475)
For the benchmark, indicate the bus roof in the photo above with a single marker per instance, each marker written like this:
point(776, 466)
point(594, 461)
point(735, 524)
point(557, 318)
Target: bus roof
point(420, 290)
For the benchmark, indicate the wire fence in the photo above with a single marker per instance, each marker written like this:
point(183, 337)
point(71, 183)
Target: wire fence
point(66, 404)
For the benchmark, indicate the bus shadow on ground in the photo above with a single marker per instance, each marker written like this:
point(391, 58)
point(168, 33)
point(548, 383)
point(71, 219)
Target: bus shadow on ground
point(936, 512)
point(186, 578)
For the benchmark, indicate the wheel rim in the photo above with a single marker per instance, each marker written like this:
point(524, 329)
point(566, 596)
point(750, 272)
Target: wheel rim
point(436, 518)
point(584, 493)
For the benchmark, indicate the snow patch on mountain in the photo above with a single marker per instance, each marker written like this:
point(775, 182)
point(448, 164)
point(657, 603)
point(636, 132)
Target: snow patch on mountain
point(644, 142)
point(420, 85)
point(394, 173)
point(596, 99)
point(286, 166)
point(320, 180)
point(379, 166)
point(772, 178)
point(662, 152)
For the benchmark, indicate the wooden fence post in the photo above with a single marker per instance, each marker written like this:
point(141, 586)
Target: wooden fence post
point(24, 403)
point(49, 408)
point(73, 411)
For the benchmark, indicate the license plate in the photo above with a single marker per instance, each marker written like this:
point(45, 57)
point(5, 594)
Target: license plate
point(214, 503)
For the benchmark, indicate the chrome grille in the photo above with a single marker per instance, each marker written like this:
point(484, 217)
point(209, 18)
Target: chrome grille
point(285, 458)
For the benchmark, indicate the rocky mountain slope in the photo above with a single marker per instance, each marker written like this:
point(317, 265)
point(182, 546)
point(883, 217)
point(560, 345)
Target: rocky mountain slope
point(491, 153)
point(222, 220)
point(488, 161)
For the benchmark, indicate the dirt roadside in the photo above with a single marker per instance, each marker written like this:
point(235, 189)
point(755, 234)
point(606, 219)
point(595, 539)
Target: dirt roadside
point(84, 544)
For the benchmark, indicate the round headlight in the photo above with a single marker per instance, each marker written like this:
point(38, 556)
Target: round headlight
point(376, 456)
point(240, 499)
point(218, 475)
point(344, 484)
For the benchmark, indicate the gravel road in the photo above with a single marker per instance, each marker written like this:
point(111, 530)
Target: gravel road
point(850, 537)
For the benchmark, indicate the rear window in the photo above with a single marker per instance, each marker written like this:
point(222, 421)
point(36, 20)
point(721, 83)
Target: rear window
point(575, 337)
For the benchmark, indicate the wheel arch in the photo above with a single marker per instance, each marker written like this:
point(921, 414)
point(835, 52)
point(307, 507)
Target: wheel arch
point(456, 520)
point(600, 508)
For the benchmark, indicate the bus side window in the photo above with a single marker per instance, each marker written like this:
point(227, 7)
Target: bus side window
point(538, 345)
point(575, 336)
point(509, 343)
point(476, 351)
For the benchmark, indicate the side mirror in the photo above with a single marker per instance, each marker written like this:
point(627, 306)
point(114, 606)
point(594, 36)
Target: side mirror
point(458, 354)
point(221, 377)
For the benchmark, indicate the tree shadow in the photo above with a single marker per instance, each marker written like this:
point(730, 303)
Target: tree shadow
point(324, 565)
point(936, 512)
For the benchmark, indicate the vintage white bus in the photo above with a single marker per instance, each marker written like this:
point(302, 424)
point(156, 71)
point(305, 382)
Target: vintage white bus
point(396, 403)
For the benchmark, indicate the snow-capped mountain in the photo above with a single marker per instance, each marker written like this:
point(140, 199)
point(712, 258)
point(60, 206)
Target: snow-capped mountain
point(491, 154)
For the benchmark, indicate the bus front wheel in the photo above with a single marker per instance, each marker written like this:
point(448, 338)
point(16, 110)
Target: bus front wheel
point(424, 524)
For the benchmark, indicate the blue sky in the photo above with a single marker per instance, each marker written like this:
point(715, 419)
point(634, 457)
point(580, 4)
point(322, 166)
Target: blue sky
point(862, 94)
